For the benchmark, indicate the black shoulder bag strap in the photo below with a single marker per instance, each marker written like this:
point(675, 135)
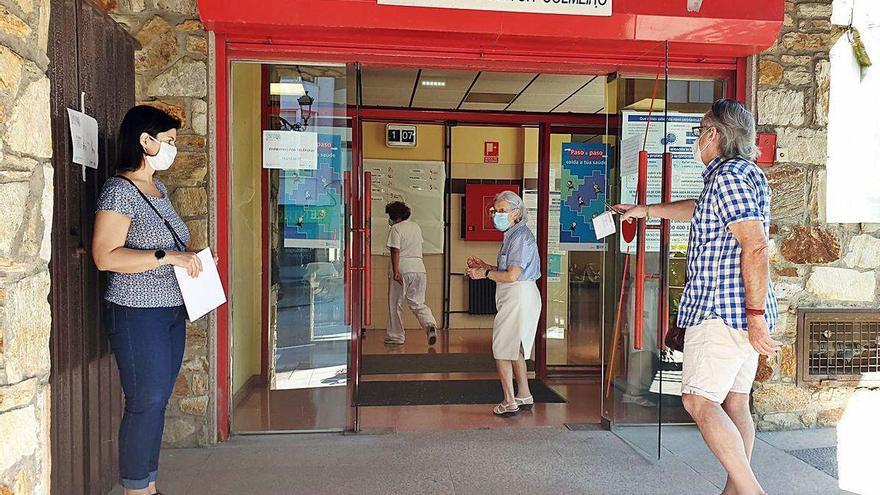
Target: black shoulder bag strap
point(177, 242)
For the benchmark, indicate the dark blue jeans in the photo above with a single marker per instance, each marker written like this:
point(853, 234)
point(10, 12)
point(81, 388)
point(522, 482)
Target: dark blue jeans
point(148, 344)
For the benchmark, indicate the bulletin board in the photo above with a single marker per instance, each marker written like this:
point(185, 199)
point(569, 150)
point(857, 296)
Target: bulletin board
point(420, 185)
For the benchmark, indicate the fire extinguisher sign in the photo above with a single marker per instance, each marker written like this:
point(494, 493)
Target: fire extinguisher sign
point(490, 152)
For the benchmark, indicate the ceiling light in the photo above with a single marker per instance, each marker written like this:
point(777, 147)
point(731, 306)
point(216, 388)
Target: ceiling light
point(433, 84)
point(287, 89)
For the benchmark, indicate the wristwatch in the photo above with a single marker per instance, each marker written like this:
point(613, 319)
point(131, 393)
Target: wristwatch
point(160, 257)
point(487, 272)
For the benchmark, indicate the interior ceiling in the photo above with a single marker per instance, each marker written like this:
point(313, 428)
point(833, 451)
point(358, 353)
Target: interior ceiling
point(496, 91)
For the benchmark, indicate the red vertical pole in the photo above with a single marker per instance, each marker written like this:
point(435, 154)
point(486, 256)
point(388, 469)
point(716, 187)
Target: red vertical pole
point(665, 236)
point(368, 258)
point(641, 198)
point(544, 187)
point(222, 226)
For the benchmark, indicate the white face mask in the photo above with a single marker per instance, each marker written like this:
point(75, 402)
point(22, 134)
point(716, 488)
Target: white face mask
point(164, 158)
point(698, 152)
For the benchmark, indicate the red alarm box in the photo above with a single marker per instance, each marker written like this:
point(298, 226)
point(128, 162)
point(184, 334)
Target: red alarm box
point(767, 150)
point(479, 199)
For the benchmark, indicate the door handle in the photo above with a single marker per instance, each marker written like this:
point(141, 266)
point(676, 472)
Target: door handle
point(642, 198)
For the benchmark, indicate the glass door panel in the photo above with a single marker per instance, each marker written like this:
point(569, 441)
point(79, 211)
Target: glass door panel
point(307, 143)
point(579, 167)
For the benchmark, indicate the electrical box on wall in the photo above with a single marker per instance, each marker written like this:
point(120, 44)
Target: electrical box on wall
point(479, 198)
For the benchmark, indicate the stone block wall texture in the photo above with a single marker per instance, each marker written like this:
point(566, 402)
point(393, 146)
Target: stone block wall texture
point(813, 263)
point(172, 73)
point(25, 237)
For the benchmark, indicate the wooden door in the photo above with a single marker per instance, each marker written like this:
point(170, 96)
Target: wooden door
point(89, 53)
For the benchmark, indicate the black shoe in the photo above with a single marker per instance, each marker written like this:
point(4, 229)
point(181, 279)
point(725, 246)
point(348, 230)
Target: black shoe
point(432, 335)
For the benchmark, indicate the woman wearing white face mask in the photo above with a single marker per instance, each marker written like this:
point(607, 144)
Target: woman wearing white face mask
point(138, 237)
point(517, 300)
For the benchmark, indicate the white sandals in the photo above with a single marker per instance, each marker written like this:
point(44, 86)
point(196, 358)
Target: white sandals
point(506, 410)
point(525, 402)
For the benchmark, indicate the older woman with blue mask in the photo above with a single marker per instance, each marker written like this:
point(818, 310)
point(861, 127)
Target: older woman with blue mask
point(516, 297)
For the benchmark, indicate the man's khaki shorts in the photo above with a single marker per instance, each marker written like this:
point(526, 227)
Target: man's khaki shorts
point(717, 360)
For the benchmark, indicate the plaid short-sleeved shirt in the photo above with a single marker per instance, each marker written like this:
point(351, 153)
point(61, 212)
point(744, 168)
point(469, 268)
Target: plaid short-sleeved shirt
point(734, 190)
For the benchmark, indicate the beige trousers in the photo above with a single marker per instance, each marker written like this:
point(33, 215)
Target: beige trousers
point(411, 293)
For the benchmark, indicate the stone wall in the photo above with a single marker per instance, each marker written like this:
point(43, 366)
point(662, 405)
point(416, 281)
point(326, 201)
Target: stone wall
point(172, 74)
point(814, 264)
point(25, 236)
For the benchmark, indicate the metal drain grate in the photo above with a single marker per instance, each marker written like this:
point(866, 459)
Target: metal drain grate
point(841, 345)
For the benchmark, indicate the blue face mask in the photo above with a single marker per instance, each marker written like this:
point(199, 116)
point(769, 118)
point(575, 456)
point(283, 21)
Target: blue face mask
point(501, 221)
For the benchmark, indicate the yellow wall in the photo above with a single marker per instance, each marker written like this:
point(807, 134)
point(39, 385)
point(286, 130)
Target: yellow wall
point(516, 147)
point(429, 146)
point(246, 224)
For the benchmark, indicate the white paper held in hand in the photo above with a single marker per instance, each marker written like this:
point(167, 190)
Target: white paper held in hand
point(604, 225)
point(202, 294)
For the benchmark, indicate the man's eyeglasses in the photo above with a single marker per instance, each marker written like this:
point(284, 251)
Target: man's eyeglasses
point(699, 130)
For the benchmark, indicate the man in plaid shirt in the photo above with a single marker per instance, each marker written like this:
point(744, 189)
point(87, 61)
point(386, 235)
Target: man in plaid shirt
point(728, 306)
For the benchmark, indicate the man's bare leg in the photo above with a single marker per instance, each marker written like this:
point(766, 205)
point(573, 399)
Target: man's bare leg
point(737, 408)
point(725, 441)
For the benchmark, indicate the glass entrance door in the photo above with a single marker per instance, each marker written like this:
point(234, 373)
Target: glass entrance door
point(292, 150)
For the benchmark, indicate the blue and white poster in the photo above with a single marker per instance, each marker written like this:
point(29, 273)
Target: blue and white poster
point(583, 187)
point(312, 199)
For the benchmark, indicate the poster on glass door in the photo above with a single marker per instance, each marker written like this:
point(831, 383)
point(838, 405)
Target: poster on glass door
point(312, 199)
point(583, 185)
point(687, 178)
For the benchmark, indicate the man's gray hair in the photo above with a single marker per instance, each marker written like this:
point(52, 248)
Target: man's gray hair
point(736, 127)
point(514, 201)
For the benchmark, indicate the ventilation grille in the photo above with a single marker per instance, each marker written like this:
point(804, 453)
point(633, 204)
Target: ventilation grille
point(481, 297)
point(839, 345)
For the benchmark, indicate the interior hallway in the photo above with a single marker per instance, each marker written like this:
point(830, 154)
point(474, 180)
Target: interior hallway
point(534, 461)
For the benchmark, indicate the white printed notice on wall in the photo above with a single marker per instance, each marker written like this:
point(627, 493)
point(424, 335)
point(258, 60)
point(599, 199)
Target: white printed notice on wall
point(290, 150)
point(567, 7)
point(687, 174)
point(84, 135)
point(419, 184)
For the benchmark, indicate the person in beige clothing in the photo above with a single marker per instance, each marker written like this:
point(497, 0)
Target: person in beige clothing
point(408, 277)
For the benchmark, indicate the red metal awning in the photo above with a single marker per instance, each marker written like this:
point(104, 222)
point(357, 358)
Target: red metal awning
point(722, 29)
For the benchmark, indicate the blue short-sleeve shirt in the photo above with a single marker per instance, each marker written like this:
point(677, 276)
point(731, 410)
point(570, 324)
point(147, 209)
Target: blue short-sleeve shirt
point(520, 249)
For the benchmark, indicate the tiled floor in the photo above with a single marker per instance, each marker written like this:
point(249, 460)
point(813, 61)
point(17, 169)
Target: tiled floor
point(533, 461)
point(306, 405)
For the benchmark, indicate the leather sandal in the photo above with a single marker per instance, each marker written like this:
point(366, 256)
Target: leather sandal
point(506, 410)
point(525, 402)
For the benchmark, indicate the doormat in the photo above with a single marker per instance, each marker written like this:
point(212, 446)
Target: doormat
point(395, 364)
point(429, 393)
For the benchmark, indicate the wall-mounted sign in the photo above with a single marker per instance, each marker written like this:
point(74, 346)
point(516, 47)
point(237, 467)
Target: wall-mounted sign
point(400, 135)
point(567, 7)
point(290, 150)
point(490, 152)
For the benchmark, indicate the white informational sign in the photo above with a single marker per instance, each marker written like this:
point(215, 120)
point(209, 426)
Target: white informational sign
point(853, 167)
point(687, 173)
point(530, 199)
point(554, 251)
point(604, 225)
point(290, 150)
point(629, 154)
point(568, 7)
point(202, 294)
point(420, 185)
point(84, 135)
